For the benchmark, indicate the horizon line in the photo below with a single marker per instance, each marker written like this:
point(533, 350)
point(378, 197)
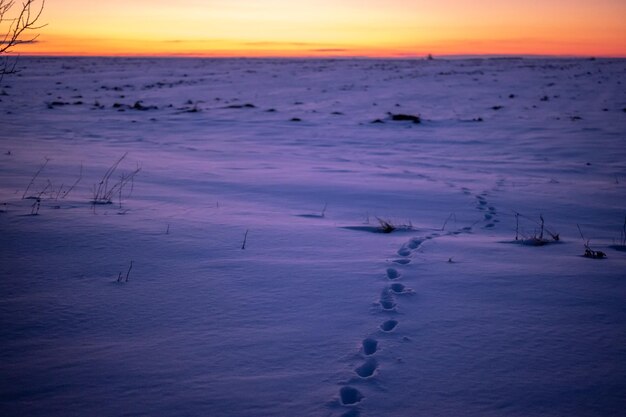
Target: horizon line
point(426, 56)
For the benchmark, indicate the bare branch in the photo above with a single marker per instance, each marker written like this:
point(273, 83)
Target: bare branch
point(14, 30)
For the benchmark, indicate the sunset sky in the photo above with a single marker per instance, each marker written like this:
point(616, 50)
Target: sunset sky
point(389, 28)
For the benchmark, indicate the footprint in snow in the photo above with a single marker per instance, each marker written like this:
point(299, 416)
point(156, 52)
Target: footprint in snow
point(386, 300)
point(367, 369)
point(491, 216)
point(404, 251)
point(481, 203)
point(350, 396)
point(415, 243)
point(398, 288)
point(389, 325)
point(370, 346)
point(392, 273)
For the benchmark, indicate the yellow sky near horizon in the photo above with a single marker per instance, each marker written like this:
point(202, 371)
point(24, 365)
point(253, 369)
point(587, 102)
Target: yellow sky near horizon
point(335, 28)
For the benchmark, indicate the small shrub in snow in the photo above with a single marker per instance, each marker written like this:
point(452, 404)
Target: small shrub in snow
point(594, 254)
point(386, 226)
point(590, 253)
point(538, 237)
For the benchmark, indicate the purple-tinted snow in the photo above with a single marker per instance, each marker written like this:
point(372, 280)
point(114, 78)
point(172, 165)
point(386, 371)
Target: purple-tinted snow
point(380, 276)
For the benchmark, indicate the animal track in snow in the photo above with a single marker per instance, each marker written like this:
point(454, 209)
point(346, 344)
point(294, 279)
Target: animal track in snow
point(388, 325)
point(367, 369)
point(490, 217)
point(415, 243)
point(493, 214)
point(386, 300)
point(400, 288)
point(350, 395)
point(392, 273)
point(370, 346)
point(404, 251)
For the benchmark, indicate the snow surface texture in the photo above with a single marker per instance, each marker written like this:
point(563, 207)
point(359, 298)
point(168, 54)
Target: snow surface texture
point(322, 314)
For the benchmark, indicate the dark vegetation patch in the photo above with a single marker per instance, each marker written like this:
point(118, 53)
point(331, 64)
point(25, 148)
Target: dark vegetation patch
point(401, 117)
point(241, 106)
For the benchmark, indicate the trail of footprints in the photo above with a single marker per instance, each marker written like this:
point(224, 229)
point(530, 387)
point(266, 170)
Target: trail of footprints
point(350, 396)
point(490, 214)
point(387, 304)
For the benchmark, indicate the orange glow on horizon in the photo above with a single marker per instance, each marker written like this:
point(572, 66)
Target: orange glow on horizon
point(368, 28)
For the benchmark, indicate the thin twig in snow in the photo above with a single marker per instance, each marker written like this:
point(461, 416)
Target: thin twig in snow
point(245, 239)
point(32, 181)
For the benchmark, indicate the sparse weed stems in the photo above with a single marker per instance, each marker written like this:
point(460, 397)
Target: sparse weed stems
point(452, 216)
point(80, 177)
point(623, 234)
point(121, 278)
point(590, 253)
point(316, 216)
point(34, 209)
point(621, 244)
point(32, 180)
point(107, 189)
point(538, 237)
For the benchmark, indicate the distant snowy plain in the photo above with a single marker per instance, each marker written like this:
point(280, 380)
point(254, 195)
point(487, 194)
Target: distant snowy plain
point(321, 314)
